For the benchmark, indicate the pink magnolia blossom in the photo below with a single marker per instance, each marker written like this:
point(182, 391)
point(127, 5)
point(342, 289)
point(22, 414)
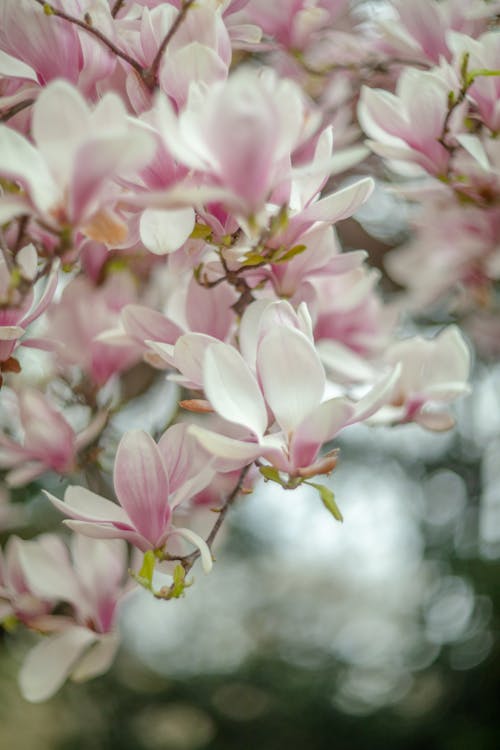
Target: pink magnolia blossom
point(287, 391)
point(484, 54)
point(66, 176)
point(49, 442)
point(405, 127)
point(420, 30)
point(15, 318)
point(81, 644)
point(74, 332)
point(142, 474)
point(215, 134)
point(433, 373)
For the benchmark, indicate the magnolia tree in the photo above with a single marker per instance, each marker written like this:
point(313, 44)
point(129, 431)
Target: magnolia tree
point(171, 176)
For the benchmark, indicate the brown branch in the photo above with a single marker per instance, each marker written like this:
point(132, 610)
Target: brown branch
point(117, 7)
point(187, 561)
point(86, 26)
point(15, 109)
point(362, 68)
point(150, 75)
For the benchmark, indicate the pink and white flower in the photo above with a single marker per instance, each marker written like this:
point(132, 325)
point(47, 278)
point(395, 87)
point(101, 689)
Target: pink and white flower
point(142, 474)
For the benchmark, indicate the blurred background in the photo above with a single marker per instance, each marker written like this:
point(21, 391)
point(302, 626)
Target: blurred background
point(381, 632)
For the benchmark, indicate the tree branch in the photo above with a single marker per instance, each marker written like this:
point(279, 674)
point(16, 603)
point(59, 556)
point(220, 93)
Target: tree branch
point(15, 109)
point(117, 7)
point(51, 11)
point(187, 561)
point(151, 74)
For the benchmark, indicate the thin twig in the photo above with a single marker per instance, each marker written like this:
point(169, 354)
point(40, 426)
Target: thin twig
point(187, 561)
point(51, 11)
point(150, 75)
point(15, 109)
point(117, 7)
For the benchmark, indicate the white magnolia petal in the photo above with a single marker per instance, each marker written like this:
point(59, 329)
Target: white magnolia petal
point(21, 161)
point(341, 204)
point(11, 333)
point(197, 541)
point(163, 231)
point(232, 389)
point(378, 396)
point(98, 658)
point(46, 575)
point(292, 376)
point(84, 505)
point(225, 447)
point(48, 665)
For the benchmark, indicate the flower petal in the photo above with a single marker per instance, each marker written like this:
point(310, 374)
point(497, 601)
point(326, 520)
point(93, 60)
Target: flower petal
point(141, 484)
point(47, 666)
point(292, 376)
point(232, 389)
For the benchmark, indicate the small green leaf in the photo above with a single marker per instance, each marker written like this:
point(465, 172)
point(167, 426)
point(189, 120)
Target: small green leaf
point(201, 232)
point(253, 259)
point(179, 583)
point(295, 250)
point(271, 474)
point(328, 499)
point(148, 566)
point(10, 623)
point(481, 72)
point(48, 9)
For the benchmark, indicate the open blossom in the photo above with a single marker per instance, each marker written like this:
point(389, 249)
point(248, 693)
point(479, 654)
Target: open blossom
point(49, 442)
point(142, 475)
point(405, 127)
point(39, 575)
point(421, 29)
point(66, 175)
point(434, 372)
point(73, 332)
point(282, 407)
point(16, 316)
point(216, 133)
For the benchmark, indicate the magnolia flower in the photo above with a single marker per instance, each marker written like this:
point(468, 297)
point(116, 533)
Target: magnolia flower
point(406, 126)
point(433, 373)
point(49, 441)
point(14, 319)
point(143, 474)
point(73, 332)
point(286, 394)
point(65, 176)
point(217, 132)
point(82, 643)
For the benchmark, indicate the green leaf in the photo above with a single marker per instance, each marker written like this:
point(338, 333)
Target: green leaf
point(295, 250)
point(179, 583)
point(481, 72)
point(328, 499)
point(147, 569)
point(200, 232)
point(253, 259)
point(271, 474)
point(48, 9)
point(10, 623)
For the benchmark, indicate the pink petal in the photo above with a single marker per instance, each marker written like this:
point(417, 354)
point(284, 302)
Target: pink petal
point(144, 323)
point(84, 505)
point(141, 484)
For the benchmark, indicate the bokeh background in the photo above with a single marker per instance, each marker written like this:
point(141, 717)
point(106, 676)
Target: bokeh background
point(381, 632)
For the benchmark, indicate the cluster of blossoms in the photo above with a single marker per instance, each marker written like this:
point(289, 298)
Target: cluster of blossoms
point(165, 219)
